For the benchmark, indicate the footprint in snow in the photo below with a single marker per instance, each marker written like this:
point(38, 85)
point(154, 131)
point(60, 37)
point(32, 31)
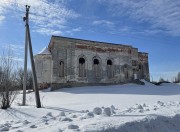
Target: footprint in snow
point(33, 126)
point(59, 130)
point(46, 123)
point(1, 125)
point(16, 127)
point(44, 119)
point(87, 115)
point(160, 103)
point(25, 122)
point(71, 126)
point(147, 110)
point(19, 131)
point(7, 124)
point(17, 122)
point(5, 128)
point(73, 116)
point(141, 111)
point(49, 114)
point(62, 113)
point(66, 119)
point(156, 108)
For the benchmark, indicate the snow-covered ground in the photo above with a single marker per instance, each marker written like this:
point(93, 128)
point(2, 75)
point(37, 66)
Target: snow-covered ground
point(126, 108)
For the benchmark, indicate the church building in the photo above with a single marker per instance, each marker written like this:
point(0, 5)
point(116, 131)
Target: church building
point(69, 62)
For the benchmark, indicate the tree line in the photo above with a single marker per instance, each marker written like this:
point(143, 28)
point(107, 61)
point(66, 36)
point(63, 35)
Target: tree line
point(11, 80)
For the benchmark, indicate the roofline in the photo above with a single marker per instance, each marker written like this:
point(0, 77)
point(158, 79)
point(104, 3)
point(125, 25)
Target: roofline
point(54, 36)
point(143, 53)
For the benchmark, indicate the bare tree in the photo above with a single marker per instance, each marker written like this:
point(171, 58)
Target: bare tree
point(7, 81)
point(29, 80)
point(161, 79)
point(20, 75)
point(19, 79)
point(178, 77)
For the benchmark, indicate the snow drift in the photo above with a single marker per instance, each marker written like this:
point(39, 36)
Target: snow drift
point(126, 108)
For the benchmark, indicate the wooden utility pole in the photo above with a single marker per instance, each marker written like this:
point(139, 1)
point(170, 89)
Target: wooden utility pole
point(28, 43)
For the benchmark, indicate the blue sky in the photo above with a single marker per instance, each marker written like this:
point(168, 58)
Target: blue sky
point(153, 26)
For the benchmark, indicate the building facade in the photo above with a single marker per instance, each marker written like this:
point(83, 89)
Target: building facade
point(76, 62)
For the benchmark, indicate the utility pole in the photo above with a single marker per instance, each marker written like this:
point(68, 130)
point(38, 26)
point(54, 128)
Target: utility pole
point(28, 43)
point(25, 59)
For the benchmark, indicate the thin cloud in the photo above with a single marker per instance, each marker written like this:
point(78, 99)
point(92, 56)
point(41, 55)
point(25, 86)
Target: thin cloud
point(71, 32)
point(17, 59)
point(43, 13)
point(48, 31)
point(160, 14)
point(77, 29)
point(1, 19)
point(13, 58)
point(16, 50)
point(13, 47)
point(12, 51)
point(103, 23)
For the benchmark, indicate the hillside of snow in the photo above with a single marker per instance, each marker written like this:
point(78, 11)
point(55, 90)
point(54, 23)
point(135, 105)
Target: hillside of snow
point(129, 107)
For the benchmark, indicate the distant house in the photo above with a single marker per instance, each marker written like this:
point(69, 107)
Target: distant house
point(69, 62)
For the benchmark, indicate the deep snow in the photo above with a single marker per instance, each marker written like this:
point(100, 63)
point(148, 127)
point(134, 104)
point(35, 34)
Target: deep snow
point(127, 107)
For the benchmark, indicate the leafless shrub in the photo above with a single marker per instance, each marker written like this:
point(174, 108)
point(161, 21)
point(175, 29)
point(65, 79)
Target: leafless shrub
point(20, 76)
point(161, 79)
point(7, 80)
point(177, 78)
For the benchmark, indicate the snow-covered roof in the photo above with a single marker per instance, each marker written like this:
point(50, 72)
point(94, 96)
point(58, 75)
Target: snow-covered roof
point(44, 51)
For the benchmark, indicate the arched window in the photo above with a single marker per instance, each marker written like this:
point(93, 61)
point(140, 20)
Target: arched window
point(109, 62)
point(126, 71)
point(61, 69)
point(82, 70)
point(96, 68)
point(110, 73)
point(96, 61)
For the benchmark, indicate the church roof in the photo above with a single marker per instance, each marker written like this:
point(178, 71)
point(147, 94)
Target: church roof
point(44, 51)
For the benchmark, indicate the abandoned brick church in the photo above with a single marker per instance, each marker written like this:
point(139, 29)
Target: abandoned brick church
point(71, 62)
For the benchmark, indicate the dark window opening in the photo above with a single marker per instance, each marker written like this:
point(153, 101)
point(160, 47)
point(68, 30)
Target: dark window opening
point(110, 73)
point(81, 60)
point(61, 71)
point(82, 71)
point(109, 62)
point(96, 61)
point(125, 66)
point(61, 63)
point(96, 68)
